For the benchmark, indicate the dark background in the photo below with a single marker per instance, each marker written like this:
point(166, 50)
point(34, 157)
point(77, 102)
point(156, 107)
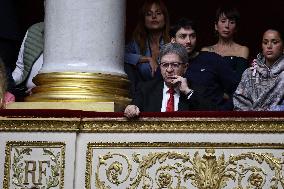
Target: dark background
point(255, 16)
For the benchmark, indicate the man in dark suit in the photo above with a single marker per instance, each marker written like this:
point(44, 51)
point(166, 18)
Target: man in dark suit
point(172, 91)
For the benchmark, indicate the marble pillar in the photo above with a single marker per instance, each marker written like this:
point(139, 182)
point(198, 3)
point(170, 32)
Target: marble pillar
point(83, 52)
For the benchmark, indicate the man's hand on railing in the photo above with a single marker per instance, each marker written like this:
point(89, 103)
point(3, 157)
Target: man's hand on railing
point(131, 111)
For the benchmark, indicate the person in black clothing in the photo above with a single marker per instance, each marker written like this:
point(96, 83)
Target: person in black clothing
point(206, 68)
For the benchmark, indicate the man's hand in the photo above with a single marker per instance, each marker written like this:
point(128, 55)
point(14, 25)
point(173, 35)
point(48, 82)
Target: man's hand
point(181, 83)
point(131, 111)
point(9, 98)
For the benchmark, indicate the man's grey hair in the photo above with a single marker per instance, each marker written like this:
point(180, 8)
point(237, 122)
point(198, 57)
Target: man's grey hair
point(174, 48)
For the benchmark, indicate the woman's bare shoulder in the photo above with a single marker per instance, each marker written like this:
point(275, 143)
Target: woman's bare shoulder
point(243, 51)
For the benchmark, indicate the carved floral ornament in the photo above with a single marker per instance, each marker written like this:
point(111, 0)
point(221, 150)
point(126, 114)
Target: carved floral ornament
point(171, 169)
point(34, 165)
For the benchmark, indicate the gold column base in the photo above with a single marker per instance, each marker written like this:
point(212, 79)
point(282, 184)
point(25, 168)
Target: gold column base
point(80, 87)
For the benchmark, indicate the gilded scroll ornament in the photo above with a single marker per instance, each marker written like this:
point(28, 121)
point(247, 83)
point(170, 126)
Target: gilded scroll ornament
point(175, 170)
point(114, 171)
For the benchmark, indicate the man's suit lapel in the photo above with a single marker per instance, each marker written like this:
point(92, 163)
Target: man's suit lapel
point(157, 97)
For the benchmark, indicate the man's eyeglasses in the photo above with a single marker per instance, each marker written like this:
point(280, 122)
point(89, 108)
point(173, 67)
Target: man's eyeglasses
point(174, 65)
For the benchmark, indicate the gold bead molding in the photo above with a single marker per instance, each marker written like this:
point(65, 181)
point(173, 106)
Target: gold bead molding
point(143, 125)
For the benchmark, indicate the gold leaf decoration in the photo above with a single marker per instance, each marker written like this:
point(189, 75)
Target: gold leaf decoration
point(175, 170)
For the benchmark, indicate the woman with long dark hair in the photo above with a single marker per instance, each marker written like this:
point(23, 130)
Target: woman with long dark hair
point(149, 35)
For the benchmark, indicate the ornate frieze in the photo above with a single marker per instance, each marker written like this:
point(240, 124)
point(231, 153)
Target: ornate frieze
point(147, 125)
point(166, 125)
point(37, 124)
point(184, 165)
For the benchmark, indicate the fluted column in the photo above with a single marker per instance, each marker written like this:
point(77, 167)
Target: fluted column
point(83, 52)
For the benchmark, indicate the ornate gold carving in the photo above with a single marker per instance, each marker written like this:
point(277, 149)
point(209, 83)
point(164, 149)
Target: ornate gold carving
point(39, 125)
point(53, 180)
point(150, 125)
point(183, 170)
point(113, 172)
point(183, 126)
point(19, 173)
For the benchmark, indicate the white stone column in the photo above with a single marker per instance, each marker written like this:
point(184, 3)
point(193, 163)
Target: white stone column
point(84, 36)
point(83, 53)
